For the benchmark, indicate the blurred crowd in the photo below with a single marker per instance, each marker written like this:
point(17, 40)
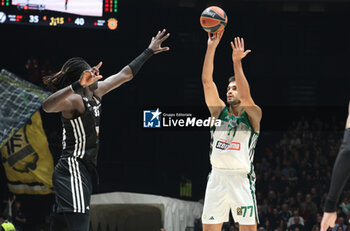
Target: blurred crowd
point(35, 70)
point(293, 177)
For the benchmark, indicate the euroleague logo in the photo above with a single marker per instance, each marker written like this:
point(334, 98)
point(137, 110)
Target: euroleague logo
point(2, 17)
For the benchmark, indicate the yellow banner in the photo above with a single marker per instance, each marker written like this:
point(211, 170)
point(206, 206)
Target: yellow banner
point(27, 159)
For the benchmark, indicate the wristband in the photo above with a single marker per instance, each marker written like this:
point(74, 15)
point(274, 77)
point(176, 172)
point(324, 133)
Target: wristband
point(137, 63)
point(77, 87)
point(330, 206)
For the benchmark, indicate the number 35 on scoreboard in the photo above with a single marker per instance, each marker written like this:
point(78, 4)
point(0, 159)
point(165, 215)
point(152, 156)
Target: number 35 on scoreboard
point(56, 21)
point(33, 18)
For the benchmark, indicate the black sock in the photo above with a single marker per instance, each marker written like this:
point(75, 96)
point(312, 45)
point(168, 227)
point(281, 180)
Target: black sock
point(77, 221)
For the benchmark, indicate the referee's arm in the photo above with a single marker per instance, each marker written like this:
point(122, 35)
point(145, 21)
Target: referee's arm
point(340, 175)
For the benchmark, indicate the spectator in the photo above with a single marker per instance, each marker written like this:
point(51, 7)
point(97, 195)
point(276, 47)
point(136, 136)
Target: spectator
point(292, 203)
point(282, 225)
point(299, 199)
point(318, 219)
point(264, 206)
point(284, 141)
point(33, 72)
point(268, 226)
point(285, 213)
point(19, 219)
point(287, 171)
point(315, 197)
point(271, 198)
point(265, 165)
point(294, 142)
point(345, 205)
point(293, 179)
point(286, 194)
point(340, 224)
point(311, 208)
point(297, 224)
point(291, 220)
point(8, 209)
point(303, 124)
point(274, 219)
point(5, 224)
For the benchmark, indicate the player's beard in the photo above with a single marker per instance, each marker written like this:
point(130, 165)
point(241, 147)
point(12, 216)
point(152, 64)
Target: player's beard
point(234, 102)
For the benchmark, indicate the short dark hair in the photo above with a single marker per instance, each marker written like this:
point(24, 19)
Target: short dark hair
point(231, 79)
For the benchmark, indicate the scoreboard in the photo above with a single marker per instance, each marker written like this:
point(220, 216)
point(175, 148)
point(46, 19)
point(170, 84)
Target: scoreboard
point(98, 14)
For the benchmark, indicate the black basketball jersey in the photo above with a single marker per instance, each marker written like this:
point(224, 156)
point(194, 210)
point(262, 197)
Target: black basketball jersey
point(81, 135)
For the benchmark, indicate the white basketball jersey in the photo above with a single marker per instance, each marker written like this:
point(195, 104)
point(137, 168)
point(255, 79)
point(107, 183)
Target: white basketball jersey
point(232, 145)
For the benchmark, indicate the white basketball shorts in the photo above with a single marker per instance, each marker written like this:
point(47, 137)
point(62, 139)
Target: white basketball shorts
point(227, 190)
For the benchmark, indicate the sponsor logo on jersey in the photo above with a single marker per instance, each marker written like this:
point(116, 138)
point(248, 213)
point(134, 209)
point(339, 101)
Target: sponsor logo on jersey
point(224, 145)
point(235, 146)
point(221, 144)
point(239, 211)
point(211, 218)
point(151, 118)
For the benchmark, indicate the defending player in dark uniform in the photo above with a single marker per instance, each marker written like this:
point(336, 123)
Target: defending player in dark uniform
point(77, 95)
point(340, 175)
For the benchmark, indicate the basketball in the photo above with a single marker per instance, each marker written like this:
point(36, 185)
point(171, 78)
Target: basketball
point(213, 19)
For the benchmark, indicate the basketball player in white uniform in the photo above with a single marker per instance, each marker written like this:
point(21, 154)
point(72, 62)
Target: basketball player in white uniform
point(231, 184)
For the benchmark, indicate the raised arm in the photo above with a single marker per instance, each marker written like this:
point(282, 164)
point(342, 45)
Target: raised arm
point(254, 112)
point(211, 94)
point(129, 71)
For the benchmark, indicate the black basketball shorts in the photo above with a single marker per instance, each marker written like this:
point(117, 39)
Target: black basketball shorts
point(73, 186)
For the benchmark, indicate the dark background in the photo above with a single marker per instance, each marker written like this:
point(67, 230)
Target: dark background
point(299, 64)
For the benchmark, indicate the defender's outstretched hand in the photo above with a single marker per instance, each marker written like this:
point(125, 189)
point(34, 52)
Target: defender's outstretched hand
point(90, 76)
point(156, 42)
point(214, 38)
point(238, 52)
point(328, 220)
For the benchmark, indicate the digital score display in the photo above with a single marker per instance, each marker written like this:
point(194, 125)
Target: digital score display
point(98, 14)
